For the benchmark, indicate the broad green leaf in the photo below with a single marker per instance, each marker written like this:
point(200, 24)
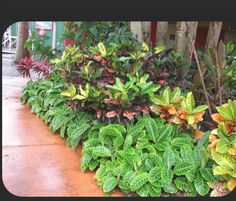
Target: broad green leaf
point(170, 188)
point(78, 97)
point(200, 108)
point(201, 186)
point(232, 106)
point(151, 128)
point(181, 183)
point(166, 175)
point(101, 151)
point(169, 157)
point(109, 184)
point(167, 95)
point(118, 142)
point(207, 174)
point(175, 94)
point(190, 102)
point(138, 181)
point(186, 153)
point(164, 132)
point(154, 174)
point(190, 176)
point(145, 47)
point(159, 49)
point(85, 161)
point(143, 191)
point(93, 164)
point(179, 141)
point(222, 146)
point(161, 146)
point(128, 142)
point(127, 179)
point(154, 191)
point(223, 170)
point(223, 159)
point(102, 49)
point(203, 141)
point(70, 92)
point(156, 159)
point(190, 119)
point(183, 168)
point(225, 112)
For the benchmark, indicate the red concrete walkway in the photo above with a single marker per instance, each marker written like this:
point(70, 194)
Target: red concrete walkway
point(36, 162)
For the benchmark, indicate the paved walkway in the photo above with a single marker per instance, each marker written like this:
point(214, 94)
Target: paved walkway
point(36, 162)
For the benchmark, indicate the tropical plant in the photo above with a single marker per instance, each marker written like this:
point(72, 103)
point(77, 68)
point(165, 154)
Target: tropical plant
point(37, 46)
point(107, 80)
point(223, 147)
point(27, 65)
point(24, 66)
point(86, 34)
point(147, 158)
point(45, 100)
point(178, 109)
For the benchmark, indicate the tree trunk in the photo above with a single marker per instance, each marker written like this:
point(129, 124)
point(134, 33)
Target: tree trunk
point(136, 28)
point(146, 28)
point(212, 39)
point(192, 30)
point(180, 40)
point(161, 33)
point(23, 34)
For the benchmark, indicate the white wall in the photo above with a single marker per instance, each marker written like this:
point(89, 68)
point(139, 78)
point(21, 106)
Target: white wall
point(171, 30)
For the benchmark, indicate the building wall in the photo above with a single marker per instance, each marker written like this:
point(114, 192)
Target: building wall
point(229, 36)
point(201, 36)
point(171, 32)
point(60, 30)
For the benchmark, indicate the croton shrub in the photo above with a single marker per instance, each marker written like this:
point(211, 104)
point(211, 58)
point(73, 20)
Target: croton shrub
point(223, 147)
point(111, 81)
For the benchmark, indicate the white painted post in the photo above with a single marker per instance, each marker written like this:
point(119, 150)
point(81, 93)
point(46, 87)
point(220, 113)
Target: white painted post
point(10, 39)
point(54, 35)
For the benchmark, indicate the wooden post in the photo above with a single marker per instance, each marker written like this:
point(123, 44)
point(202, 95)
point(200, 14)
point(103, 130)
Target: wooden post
point(161, 33)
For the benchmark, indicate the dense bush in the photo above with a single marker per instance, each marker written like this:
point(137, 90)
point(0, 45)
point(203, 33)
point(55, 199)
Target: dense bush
point(149, 157)
point(223, 147)
point(111, 81)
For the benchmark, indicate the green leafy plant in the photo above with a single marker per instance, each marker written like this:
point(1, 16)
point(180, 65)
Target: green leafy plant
point(148, 158)
point(37, 46)
point(223, 147)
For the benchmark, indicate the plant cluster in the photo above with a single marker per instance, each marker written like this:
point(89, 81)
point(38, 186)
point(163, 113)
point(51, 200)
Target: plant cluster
point(86, 34)
point(219, 74)
point(148, 158)
point(27, 64)
point(45, 100)
point(37, 46)
point(112, 81)
point(178, 109)
point(223, 147)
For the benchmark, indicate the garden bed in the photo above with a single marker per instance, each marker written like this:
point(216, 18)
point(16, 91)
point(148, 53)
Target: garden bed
point(139, 124)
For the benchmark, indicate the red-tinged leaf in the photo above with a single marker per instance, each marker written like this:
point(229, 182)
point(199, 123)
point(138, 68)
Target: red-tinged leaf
point(112, 101)
point(161, 82)
point(99, 113)
point(129, 114)
point(111, 114)
point(110, 70)
point(164, 74)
